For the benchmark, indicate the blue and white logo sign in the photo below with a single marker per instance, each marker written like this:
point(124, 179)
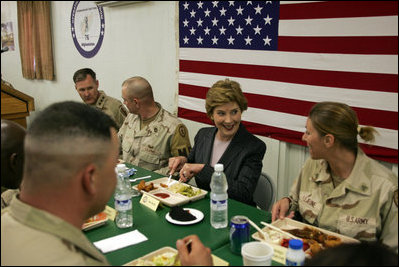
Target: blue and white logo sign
point(87, 27)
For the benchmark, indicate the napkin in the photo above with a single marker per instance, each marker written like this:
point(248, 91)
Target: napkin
point(120, 241)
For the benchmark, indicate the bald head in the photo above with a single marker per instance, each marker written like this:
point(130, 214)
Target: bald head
point(12, 153)
point(138, 87)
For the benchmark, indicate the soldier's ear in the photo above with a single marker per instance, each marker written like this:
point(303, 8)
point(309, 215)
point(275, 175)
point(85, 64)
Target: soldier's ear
point(329, 140)
point(88, 179)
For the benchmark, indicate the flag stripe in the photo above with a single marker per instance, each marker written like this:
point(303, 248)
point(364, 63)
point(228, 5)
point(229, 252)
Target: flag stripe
point(338, 62)
point(365, 81)
point(373, 100)
point(339, 9)
point(376, 26)
point(275, 127)
point(298, 107)
point(345, 45)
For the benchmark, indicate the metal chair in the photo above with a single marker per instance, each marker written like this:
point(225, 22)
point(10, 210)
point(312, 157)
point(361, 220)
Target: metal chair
point(265, 192)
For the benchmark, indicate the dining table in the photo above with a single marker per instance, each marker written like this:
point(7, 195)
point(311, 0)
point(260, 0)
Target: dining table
point(161, 233)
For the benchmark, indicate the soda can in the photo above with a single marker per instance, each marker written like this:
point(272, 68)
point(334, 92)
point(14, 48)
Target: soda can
point(239, 233)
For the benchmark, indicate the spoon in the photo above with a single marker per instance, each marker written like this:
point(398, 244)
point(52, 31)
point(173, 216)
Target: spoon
point(261, 233)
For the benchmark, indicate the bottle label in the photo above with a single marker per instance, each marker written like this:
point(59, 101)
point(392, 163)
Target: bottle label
point(123, 205)
point(219, 205)
point(293, 263)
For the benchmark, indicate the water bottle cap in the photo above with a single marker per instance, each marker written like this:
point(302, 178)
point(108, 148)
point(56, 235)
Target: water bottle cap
point(295, 244)
point(219, 167)
point(120, 167)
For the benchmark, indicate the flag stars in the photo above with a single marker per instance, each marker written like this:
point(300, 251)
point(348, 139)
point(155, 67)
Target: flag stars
point(185, 39)
point(214, 40)
point(267, 40)
point(239, 10)
point(268, 20)
point(231, 3)
point(248, 20)
point(231, 40)
point(215, 3)
point(199, 39)
point(248, 40)
point(222, 30)
point(223, 11)
point(199, 22)
point(185, 5)
point(192, 31)
point(185, 23)
point(258, 9)
point(231, 21)
point(199, 4)
point(207, 30)
point(207, 13)
point(215, 22)
point(249, 2)
point(192, 13)
point(239, 30)
point(257, 30)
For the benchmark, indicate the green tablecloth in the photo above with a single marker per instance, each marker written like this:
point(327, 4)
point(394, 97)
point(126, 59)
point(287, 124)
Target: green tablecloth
point(161, 233)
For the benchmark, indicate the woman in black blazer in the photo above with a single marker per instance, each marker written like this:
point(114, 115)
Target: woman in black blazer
point(228, 143)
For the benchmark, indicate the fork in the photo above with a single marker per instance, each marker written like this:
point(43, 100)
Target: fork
point(139, 178)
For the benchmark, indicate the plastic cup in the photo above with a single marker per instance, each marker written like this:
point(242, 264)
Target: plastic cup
point(257, 254)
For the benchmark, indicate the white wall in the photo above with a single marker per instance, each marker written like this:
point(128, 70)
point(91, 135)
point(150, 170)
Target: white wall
point(140, 39)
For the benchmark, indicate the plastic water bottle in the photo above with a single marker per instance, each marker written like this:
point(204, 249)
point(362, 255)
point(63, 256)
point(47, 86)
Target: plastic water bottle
point(123, 200)
point(219, 198)
point(295, 255)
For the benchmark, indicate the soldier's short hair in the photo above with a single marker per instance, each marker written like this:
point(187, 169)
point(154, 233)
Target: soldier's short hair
point(80, 75)
point(64, 137)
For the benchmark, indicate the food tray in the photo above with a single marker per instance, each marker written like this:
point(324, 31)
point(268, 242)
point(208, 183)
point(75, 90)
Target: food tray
point(174, 199)
point(95, 221)
point(148, 257)
point(288, 224)
point(151, 255)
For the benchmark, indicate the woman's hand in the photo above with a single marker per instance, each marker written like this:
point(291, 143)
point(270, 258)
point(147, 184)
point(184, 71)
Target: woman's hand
point(280, 209)
point(176, 163)
point(189, 170)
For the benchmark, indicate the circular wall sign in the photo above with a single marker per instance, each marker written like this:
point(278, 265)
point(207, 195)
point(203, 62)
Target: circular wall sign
point(87, 27)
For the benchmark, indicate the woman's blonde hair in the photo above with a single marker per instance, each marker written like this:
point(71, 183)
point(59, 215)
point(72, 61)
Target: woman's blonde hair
point(222, 92)
point(341, 121)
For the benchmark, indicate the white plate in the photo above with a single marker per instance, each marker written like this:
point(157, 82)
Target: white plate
point(197, 213)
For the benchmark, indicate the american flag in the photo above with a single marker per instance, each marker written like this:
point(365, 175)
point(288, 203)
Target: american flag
point(287, 56)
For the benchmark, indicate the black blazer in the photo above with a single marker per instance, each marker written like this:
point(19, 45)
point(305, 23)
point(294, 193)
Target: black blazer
point(242, 162)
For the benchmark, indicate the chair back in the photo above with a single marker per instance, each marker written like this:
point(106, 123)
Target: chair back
point(265, 192)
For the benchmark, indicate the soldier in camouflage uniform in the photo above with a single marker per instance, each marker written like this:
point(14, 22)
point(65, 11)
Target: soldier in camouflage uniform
point(339, 188)
point(67, 179)
point(87, 87)
point(150, 135)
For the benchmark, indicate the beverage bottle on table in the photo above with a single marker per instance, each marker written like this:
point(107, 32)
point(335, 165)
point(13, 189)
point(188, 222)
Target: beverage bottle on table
point(295, 255)
point(219, 198)
point(123, 200)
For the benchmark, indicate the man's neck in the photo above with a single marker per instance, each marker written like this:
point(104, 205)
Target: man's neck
point(149, 112)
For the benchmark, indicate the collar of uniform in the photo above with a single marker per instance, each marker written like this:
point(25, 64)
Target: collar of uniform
point(359, 180)
point(101, 99)
point(49, 223)
point(156, 118)
point(321, 174)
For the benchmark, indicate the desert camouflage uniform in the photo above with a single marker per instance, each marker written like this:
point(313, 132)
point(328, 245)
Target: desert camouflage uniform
point(6, 197)
point(112, 107)
point(152, 146)
point(363, 206)
point(30, 236)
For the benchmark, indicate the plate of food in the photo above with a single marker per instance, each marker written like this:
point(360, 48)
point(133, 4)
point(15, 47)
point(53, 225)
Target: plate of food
point(166, 256)
point(184, 216)
point(172, 194)
point(95, 221)
point(314, 238)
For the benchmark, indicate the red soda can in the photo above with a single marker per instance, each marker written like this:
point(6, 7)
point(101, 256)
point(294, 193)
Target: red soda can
point(239, 233)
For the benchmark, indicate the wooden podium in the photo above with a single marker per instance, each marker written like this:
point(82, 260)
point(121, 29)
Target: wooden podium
point(15, 105)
